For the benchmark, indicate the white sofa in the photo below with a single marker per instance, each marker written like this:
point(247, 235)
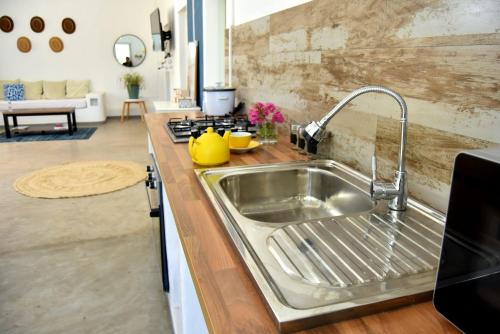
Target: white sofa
point(88, 110)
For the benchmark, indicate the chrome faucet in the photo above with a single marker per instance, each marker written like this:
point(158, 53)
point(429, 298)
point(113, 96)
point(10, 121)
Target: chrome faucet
point(396, 192)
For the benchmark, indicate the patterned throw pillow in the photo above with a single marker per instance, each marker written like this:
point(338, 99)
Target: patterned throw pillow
point(13, 92)
point(4, 82)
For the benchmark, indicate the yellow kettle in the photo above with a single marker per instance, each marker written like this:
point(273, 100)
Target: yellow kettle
point(210, 149)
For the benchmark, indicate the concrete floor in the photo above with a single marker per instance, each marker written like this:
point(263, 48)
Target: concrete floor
point(82, 265)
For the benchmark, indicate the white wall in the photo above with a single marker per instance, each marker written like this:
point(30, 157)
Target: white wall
point(182, 48)
point(88, 52)
point(214, 19)
point(248, 10)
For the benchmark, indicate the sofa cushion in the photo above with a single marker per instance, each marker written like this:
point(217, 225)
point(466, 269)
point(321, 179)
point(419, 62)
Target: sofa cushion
point(3, 82)
point(32, 90)
point(13, 92)
point(77, 88)
point(54, 90)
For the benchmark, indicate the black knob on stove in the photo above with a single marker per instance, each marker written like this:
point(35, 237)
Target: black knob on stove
point(302, 143)
point(195, 132)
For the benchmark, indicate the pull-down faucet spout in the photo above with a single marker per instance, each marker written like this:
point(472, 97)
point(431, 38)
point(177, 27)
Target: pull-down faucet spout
point(396, 192)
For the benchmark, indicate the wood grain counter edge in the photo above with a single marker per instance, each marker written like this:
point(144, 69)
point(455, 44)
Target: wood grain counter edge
point(152, 125)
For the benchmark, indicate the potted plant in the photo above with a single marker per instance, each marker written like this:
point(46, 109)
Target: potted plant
point(133, 81)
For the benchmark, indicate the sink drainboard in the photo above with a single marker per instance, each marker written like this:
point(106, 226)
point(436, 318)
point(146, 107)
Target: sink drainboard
point(356, 250)
point(316, 245)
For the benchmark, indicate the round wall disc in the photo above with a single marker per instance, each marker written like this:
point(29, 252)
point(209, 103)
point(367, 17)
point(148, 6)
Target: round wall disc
point(24, 44)
point(37, 24)
point(56, 44)
point(68, 25)
point(6, 23)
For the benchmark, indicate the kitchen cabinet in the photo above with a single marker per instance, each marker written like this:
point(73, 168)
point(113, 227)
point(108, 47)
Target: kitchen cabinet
point(187, 316)
point(185, 308)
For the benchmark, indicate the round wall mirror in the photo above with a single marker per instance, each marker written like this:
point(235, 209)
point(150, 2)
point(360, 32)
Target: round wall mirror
point(129, 50)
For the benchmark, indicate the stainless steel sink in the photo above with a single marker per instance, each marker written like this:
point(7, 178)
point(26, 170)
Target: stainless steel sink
point(316, 245)
point(293, 195)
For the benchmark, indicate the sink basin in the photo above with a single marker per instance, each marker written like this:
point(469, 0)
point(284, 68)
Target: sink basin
point(293, 195)
point(316, 245)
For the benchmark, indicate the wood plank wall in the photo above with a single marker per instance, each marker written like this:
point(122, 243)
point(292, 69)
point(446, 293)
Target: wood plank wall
point(442, 56)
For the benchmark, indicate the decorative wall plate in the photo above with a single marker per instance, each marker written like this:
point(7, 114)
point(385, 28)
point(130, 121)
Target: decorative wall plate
point(68, 25)
point(56, 44)
point(6, 23)
point(24, 44)
point(37, 24)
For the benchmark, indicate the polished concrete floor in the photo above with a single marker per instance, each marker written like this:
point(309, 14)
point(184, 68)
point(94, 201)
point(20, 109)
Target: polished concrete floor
point(81, 265)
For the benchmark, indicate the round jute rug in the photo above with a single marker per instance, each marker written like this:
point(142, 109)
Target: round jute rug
point(77, 179)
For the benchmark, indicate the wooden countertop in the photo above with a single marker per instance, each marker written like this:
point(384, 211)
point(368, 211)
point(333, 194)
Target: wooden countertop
point(168, 106)
point(230, 301)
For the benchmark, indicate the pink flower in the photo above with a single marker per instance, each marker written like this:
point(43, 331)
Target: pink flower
point(277, 117)
point(254, 116)
point(270, 107)
point(260, 112)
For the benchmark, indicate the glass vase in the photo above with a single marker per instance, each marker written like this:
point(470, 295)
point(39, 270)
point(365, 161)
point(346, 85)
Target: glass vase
point(267, 133)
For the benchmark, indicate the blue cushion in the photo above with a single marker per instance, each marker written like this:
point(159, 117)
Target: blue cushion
point(13, 92)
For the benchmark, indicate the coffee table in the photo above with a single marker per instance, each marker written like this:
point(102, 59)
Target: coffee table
point(69, 112)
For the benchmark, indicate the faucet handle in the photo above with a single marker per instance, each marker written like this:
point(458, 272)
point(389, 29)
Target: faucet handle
point(301, 141)
point(294, 133)
point(379, 189)
point(374, 168)
point(374, 177)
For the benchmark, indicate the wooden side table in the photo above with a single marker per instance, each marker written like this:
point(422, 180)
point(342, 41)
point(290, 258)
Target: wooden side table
point(126, 108)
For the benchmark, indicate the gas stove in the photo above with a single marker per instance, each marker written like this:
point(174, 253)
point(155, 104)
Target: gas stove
point(180, 129)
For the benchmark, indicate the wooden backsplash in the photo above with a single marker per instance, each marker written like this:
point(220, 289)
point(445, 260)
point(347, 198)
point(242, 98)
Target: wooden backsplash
point(442, 56)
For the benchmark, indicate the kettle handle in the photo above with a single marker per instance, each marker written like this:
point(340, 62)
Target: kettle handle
point(191, 143)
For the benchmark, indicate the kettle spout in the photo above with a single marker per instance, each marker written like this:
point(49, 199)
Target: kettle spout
point(226, 136)
point(190, 146)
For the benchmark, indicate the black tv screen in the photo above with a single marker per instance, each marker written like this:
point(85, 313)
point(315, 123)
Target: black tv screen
point(156, 30)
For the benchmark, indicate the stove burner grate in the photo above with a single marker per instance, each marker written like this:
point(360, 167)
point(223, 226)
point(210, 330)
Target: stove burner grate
point(180, 129)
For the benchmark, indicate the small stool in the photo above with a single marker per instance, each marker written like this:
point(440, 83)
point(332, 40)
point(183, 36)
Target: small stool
point(126, 108)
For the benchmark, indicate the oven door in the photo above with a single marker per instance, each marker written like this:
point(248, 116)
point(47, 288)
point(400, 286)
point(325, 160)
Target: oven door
point(154, 192)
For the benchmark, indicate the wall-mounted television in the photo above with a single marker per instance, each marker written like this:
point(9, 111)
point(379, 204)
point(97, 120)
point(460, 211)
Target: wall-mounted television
point(159, 36)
